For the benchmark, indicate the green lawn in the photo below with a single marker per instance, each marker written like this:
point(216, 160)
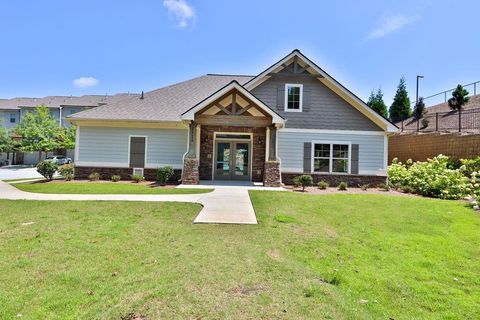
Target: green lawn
point(310, 257)
point(101, 188)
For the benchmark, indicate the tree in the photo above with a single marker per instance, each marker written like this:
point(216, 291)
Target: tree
point(459, 98)
point(375, 101)
point(39, 132)
point(7, 144)
point(419, 109)
point(67, 138)
point(400, 108)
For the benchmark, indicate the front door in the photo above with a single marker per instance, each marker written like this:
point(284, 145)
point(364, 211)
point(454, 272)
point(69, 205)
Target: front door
point(232, 160)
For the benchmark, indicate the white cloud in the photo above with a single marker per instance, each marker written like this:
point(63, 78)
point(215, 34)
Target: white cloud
point(85, 82)
point(391, 24)
point(181, 10)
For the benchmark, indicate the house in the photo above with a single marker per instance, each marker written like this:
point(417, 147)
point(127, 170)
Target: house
point(13, 110)
point(291, 118)
point(441, 130)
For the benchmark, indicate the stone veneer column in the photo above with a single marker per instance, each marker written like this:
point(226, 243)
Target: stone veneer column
point(272, 175)
point(190, 171)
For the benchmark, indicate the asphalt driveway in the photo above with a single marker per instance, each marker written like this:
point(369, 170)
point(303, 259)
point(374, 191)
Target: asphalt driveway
point(18, 172)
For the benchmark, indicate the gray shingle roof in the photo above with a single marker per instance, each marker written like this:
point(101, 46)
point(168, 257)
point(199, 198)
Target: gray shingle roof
point(164, 104)
point(57, 101)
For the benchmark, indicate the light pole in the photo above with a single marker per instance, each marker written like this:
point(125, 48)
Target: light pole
point(418, 77)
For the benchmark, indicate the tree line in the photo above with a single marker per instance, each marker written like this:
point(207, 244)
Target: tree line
point(38, 132)
point(401, 105)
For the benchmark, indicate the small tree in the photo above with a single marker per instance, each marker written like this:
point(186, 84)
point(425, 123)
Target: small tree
point(47, 169)
point(375, 101)
point(459, 98)
point(39, 131)
point(419, 109)
point(304, 181)
point(67, 138)
point(400, 108)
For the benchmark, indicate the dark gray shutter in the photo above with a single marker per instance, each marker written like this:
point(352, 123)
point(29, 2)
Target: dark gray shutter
point(137, 152)
point(307, 157)
point(281, 97)
point(306, 97)
point(354, 159)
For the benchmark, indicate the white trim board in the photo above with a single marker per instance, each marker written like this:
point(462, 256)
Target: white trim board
point(325, 131)
point(300, 109)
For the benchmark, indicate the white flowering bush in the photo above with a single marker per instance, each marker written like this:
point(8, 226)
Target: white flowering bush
point(475, 185)
point(431, 178)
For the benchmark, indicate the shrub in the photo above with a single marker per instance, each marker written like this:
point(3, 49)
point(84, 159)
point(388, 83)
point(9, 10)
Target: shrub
point(432, 178)
point(471, 165)
point(66, 171)
point(164, 174)
point(425, 123)
point(47, 169)
point(342, 186)
point(383, 186)
point(407, 189)
point(303, 181)
point(94, 176)
point(137, 178)
point(364, 187)
point(115, 178)
point(323, 185)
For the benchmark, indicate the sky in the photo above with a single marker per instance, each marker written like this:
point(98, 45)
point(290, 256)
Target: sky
point(71, 47)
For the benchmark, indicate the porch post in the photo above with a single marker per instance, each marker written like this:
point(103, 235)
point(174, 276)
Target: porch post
point(272, 152)
point(272, 176)
point(190, 173)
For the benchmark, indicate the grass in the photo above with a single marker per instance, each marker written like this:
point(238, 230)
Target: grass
point(101, 188)
point(310, 257)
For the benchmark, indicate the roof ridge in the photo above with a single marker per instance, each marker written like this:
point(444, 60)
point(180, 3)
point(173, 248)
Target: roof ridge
point(229, 75)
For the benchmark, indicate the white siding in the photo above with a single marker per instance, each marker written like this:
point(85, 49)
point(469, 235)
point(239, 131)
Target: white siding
point(371, 149)
point(108, 147)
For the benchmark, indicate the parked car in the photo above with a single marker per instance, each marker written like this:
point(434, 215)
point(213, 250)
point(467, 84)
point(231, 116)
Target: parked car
point(61, 160)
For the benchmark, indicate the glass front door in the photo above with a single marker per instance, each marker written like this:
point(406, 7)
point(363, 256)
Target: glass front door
point(232, 160)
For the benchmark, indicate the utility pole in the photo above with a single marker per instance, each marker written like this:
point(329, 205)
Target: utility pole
point(418, 77)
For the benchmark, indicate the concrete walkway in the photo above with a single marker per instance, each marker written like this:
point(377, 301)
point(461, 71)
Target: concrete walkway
point(226, 204)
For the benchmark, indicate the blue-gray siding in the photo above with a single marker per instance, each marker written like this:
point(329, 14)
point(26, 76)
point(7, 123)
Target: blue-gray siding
point(5, 118)
point(371, 149)
point(322, 108)
point(109, 146)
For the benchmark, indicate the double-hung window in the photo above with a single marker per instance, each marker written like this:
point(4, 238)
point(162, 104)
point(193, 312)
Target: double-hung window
point(13, 118)
point(293, 97)
point(331, 158)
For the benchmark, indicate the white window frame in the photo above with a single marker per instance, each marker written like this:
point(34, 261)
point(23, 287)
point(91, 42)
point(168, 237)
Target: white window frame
point(286, 97)
point(129, 144)
point(331, 158)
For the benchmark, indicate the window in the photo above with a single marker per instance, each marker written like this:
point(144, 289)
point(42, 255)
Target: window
point(331, 158)
point(293, 97)
point(13, 117)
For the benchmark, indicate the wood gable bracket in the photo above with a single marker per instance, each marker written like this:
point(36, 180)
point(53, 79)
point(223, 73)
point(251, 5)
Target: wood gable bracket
point(296, 69)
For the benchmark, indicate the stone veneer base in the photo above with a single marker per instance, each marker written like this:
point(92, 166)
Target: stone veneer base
point(124, 173)
point(353, 180)
point(272, 176)
point(190, 171)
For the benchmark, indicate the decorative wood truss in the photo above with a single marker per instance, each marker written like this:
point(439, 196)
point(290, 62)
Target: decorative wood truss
point(233, 109)
point(295, 67)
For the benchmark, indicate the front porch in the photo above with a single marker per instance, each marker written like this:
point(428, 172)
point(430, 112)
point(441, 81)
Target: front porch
point(233, 137)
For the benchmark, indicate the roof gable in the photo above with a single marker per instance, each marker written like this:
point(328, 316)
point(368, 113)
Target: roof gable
point(318, 73)
point(234, 85)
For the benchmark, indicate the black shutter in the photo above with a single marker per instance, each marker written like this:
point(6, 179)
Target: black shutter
point(354, 159)
point(307, 157)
